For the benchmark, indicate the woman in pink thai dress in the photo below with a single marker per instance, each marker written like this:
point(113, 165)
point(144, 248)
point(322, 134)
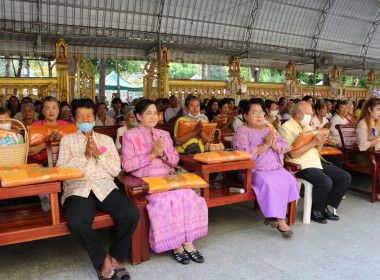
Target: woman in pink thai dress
point(177, 217)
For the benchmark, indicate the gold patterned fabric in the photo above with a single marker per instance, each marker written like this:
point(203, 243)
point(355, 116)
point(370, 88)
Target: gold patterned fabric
point(39, 175)
point(174, 182)
point(222, 156)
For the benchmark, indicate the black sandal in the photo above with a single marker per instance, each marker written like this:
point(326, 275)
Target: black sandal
point(195, 256)
point(100, 275)
point(181, 257)
point(121, 274)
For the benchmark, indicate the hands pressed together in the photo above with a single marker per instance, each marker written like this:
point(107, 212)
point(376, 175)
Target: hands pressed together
point(91, 148)
point(55, 136)
point(270, 139)
point(320, 139)
point(158, 147)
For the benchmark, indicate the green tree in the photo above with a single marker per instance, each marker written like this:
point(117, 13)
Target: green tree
point(182, 70)
point(272, 76)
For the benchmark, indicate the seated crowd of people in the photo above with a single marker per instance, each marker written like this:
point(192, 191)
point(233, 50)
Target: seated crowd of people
point(265, 129)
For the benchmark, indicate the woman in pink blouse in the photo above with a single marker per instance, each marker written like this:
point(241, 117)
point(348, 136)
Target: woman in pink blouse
point(177, 217)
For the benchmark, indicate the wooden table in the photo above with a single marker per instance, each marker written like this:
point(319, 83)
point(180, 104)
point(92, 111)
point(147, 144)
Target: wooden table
point(218, 194)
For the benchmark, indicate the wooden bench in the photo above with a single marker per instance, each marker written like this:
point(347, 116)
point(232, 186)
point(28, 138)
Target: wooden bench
point(28, 222)
point(349, 148)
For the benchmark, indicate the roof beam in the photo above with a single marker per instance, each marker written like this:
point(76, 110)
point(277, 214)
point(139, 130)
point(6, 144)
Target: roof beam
point(321, 23)
point(256, 4)
point(369, 36)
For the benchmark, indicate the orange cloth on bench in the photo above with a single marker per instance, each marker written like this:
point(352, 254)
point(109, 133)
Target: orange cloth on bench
point(330, 151)
point(222, 156)
point(41, 133)
point(20, 167)
point(185, 127)
point(173, 182)
point(306, 137)
point(39, 175)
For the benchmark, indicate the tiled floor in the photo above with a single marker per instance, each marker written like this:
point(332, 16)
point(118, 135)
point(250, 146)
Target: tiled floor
point(238, 246)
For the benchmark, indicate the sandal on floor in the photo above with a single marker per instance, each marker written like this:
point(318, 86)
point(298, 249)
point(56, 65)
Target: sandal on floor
point(100, 275)
point(271, 222)
point(121, 274)
point(195, 256)
point(287, 233)
point(181, 257)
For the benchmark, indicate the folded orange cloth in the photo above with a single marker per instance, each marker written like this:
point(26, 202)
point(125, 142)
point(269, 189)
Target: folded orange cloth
point(222, 156)
point(160, 117)
point(39, 175)
point(330, 151)
point(306, 137)
point(174, 182)
point(185, 127)
point(41, 133)
point(20, 167)
point(221, 120)
point(4, 133)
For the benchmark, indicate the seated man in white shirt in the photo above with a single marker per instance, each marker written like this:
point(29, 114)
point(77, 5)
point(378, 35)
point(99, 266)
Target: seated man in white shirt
point(116, 108)
point(329, 182)
point(173, 113)
point(97, 156)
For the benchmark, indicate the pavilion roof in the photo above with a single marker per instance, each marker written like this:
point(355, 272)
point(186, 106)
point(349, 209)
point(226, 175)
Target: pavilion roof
point(264, 33)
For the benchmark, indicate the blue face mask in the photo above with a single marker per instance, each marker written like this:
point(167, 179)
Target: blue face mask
point(198, 117)
point(133, 124)
point(85, 127)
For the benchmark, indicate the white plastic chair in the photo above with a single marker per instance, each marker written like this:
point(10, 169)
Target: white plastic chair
point(308, 199)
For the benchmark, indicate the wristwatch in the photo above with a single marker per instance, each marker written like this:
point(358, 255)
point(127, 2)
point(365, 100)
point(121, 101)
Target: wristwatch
point(265, 146)
point(163, 155)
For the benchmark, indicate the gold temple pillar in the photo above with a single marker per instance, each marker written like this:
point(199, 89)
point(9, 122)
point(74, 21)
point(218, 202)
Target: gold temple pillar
point(61, 58)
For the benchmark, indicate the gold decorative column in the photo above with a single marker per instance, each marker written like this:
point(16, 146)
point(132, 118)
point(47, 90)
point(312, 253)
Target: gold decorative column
point(156, 78)
point(371, 82)
point(164, 73)
point(61, 58)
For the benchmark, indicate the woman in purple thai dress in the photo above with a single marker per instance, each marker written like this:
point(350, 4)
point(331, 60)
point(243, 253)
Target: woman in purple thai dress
point(176, 217)
point(274, 186)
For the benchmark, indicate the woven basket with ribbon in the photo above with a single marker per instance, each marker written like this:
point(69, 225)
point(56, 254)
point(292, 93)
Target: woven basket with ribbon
point(16, 154)
point(215, 142)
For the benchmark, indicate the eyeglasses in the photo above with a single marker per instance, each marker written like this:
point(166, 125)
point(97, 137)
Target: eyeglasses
point(258, 113)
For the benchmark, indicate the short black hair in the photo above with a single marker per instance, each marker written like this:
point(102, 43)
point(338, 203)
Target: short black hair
point(190, 98)
point(4, 111)
point(319, 106)
point(242, 103)
point(253, 101)
point(123, 105)
point(26, 99)
point(18, 103)
point(223, 102)
point(101, 103)
point(48, 99)
point(64, 103)
point(307, 97)
point(83, 103)
point(268, 103)
point(38, 102)
point(282, 98)
point(116, 100)
point(165, 101)
point(340, 103)
point(142, 106)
